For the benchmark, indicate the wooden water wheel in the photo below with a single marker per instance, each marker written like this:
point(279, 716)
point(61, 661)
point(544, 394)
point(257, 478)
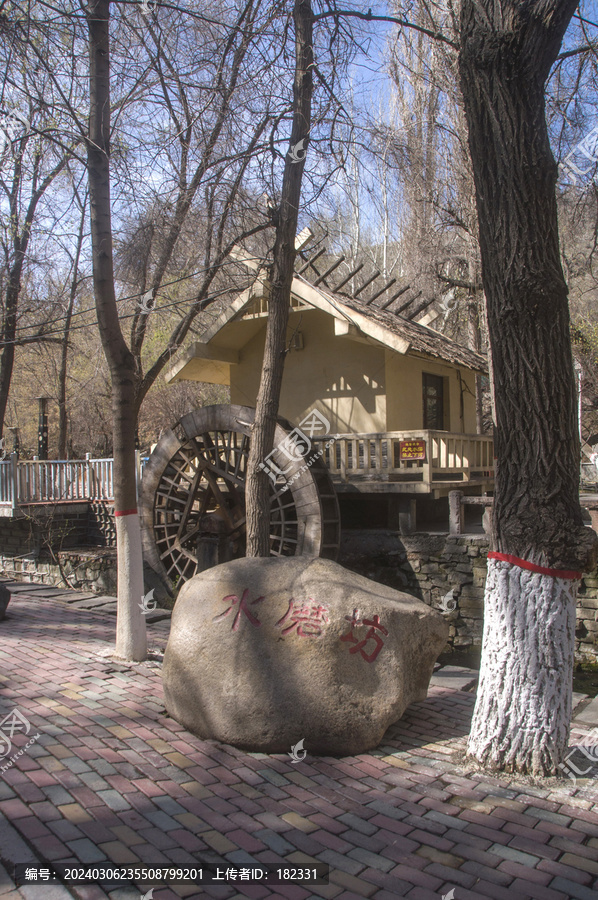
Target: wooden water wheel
point(192, 501)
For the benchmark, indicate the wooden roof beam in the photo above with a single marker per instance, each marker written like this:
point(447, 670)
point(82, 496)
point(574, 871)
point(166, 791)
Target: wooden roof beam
point(311, 261)
point(397, 312)
point(419, 309)
point(395, 297)
point(348, 278)
point(366, 284)
point(381, 291)
point(329, 271)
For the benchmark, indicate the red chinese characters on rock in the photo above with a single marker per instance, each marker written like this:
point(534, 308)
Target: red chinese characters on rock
point(242, 607)
point(305, 619)
point(372, 635)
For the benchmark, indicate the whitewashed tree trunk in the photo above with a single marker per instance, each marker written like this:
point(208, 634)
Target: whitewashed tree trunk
point(131, 636)
point(523, 707)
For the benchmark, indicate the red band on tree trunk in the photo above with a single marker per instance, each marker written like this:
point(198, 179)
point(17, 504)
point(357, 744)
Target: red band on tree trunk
point(125, 512)
point(524, 564)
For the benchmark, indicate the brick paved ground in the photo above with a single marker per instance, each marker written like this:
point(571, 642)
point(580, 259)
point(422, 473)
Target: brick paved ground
point(112, 778)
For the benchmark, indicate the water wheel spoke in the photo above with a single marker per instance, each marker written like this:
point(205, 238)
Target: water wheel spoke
point(195, 511)
point(242, 456)
point(190, 500)
point(219, 497)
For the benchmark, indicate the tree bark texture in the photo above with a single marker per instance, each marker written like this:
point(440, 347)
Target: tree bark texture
point(522, 715)
point(506, 53)
point(130, 630)
point(262, 436)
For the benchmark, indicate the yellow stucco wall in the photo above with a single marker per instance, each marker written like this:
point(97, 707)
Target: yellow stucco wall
point(359, 387)
point(342, 378)
point(404, 398)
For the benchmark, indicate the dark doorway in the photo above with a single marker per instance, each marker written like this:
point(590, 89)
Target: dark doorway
point(433, 394)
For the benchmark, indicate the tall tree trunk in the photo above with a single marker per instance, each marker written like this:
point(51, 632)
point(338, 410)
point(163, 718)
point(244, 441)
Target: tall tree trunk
point(64, 350)
point(9, 330)
point(262, 437)
point(522, 713)
point(130, 629)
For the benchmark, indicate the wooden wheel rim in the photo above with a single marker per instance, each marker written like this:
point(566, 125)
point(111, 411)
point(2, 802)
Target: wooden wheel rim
point(192, 503)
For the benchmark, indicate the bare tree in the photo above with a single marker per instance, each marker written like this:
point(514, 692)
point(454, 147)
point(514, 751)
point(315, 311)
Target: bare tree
point(23, 186)
point(131, 641)
point(257, 492)
point(66, 336)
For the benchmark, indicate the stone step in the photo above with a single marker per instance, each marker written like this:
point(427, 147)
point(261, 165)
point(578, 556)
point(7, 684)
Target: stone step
point(458, 678)
point(588, 714)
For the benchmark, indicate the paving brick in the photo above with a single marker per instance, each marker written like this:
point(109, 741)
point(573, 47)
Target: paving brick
point(354, 885)
point(299, 822)
point(559, 870)
point(489, 873)
point(374, 860)
point(86, 851)
point(356, 824)
point(218, 842)
point(114, 800)
point(580, 862)
point(526, 859)
point(572, 890)
point(344, 863)
point(437, 856)
point(415, 877)
point(116, 777)
point(536, 891)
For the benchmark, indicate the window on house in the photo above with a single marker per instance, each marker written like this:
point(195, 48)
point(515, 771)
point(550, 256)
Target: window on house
point(433, 395)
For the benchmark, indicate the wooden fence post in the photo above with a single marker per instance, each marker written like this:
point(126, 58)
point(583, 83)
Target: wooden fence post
point(14, 478)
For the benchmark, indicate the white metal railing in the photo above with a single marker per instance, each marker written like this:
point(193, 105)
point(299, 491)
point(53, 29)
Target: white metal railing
point(446, 456)
point(55, 481)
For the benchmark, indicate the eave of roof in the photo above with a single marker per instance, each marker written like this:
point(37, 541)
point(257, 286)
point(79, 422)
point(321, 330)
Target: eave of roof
point(416, 338)
point(393, 331)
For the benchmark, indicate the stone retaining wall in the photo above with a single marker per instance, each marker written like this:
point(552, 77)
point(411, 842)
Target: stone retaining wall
point(431, 565)
point(82, 570)
point(47, 544)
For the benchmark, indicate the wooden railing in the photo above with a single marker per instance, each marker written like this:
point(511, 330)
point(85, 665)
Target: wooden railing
point(54, 481)
point(447, 457)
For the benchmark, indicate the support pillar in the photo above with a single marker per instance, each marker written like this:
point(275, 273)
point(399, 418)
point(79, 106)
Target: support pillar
point(402, 512)
point(455, 512)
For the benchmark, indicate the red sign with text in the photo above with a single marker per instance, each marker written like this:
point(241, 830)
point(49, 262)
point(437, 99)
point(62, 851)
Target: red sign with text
point(412, 449)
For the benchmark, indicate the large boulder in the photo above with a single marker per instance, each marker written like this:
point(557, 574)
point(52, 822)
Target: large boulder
point(266, 652)
point(4, 600)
